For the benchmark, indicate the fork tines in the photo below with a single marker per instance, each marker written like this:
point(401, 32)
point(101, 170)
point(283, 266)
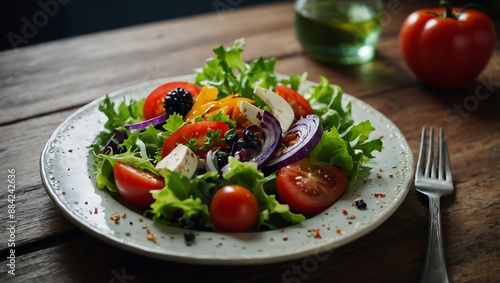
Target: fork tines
point(435, 168)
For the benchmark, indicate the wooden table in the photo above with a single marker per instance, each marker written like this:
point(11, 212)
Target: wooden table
point(43, 84)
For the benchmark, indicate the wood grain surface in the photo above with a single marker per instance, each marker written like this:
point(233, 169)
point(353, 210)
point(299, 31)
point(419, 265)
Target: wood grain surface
point(41, 85)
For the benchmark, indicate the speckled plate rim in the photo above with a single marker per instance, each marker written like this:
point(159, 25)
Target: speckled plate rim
point(65, 169)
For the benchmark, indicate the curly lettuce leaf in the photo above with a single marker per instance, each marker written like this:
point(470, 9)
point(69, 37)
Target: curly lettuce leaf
point(344, 143)
point(272, 214)
point(184, 202)
point(231, 75)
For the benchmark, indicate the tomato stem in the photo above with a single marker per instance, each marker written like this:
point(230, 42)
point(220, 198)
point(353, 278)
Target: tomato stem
point(448, 10)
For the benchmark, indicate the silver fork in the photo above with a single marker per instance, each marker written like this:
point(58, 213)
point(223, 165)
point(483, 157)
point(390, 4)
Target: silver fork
point(433, 178)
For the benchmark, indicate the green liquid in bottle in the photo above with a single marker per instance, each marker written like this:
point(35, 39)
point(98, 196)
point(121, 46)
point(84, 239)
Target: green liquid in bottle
point(346, 34)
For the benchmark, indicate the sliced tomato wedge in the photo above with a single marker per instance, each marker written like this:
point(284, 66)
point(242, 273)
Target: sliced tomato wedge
point(153, 106)
point(198, 135)
point(309, 186)
point(134, 184)
point(300, 106)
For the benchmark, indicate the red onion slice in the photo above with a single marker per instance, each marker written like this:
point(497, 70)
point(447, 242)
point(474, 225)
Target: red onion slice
point(114, 142)
point(155, 121)
point(271, 129)
point(309, 132)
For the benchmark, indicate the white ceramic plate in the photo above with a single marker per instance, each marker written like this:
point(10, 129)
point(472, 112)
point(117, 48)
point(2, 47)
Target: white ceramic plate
point(67, 173)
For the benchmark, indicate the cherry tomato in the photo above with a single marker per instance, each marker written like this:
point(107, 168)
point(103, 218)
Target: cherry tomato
point(233, 209)
point(153, 106)
point(199, 132)
point(300, 106)
point(309, 186)
point(446, 47)
point(134, 184)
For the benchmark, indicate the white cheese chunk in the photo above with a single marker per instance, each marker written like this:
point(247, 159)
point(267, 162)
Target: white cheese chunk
point(280, 107)
point(181, 160)
point(252, 112)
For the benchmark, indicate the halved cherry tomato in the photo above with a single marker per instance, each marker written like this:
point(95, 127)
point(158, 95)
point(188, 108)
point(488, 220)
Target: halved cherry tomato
point(199, 132)
point(153, 106)
point(300, 106)
point(134, 184)
point(309, 186)
point(233, 209)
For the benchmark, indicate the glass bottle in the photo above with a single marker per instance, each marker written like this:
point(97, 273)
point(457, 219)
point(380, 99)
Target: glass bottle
point(339, 31)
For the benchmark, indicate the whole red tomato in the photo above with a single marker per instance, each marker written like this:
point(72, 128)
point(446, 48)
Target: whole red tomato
point(447, 47)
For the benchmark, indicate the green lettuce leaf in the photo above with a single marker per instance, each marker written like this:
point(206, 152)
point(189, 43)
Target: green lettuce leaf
point(231, 75)
point(273, 214)
point(344, 144)
point(104, 167)
point(184, 202)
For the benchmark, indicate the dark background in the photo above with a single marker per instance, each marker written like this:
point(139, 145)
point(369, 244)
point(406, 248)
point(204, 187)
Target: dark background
point(26, 22)
point(65, 18)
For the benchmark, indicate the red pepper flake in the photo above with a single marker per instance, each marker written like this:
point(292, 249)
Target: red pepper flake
point(391, 176)
point(344, 212)
point(317, 235)
point(115, 217)
point(285, 238)
point(351, 217)
point(96, 210)
point(379, 176)
point(86, 202)
point(338, 231)
point(381, 195)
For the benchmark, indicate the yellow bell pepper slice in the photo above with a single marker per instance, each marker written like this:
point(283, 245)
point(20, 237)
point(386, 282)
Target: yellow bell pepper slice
point(200, 106)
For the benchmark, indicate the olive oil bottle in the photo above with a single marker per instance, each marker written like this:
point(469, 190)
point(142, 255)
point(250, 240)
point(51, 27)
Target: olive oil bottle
point(338, 31)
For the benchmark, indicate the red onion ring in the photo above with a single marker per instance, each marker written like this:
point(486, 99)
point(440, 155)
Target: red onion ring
point(271, 129)
point(309, 132)
point(155, 121)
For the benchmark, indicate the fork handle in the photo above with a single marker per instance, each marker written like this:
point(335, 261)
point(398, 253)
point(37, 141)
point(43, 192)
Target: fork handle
point(435, 267)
